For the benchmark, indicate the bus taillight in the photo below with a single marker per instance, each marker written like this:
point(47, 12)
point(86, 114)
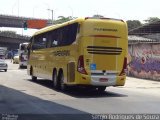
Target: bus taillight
point(124, 69)
point(21, 58)
point(80, 66)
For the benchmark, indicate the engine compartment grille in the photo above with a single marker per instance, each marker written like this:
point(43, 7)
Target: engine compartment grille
point(104, 50)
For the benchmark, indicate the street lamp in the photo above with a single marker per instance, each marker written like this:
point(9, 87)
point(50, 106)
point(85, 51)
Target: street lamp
point(52, 13)
point(71, 11)
point(34, 9)
point(16, 3)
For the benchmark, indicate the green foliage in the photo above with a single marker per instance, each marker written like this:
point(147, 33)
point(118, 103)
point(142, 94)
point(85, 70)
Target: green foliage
point(136, 23)
point(13, 34)
point(8, 32)
point(133, 24)
point(151, 19)
point(97, 16)
point(63, 19)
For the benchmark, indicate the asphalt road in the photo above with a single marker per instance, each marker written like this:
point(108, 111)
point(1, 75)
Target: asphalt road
point(19, 95)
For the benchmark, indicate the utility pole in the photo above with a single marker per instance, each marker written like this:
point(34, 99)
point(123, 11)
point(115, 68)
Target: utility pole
point(52, 14)
point(18, 8)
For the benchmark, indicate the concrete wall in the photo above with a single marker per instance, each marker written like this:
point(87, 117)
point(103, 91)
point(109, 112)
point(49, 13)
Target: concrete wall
point(144, 61)
point(11, 43)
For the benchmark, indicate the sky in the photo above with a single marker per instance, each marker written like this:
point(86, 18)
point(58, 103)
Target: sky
point(121, 9)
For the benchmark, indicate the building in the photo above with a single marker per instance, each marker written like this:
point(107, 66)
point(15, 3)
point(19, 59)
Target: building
point(144, 51)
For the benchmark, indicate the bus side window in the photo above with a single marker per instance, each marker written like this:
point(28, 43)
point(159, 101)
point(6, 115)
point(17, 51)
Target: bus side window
point(30, 46)
point(62, 36)
point(34, 43)
point(44, 40)
point(39, 42)
point(55, 43)
point(48, 38)
point(54, 39)
point(67, 34)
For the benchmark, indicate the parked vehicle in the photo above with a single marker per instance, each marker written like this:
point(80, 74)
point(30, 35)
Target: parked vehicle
point(23, 55)
point(3, 65)
point(3, 51)
point(16, 59)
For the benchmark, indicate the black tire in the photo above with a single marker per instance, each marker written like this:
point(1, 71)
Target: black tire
point(55, 80)
point(101, 88)
point(5, 70)
point(20, 67)
point(63, 87)
point(33, 77)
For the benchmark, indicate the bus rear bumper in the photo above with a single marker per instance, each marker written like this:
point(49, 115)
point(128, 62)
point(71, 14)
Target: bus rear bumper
point(23, 64)
point(107, 80)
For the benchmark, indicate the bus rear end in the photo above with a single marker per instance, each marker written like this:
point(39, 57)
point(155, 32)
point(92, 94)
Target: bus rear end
point(103, 50)
point(23, 55)
point(23, 58)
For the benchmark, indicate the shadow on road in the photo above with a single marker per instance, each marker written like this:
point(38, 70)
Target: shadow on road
point(79, 92)
point(29, 107)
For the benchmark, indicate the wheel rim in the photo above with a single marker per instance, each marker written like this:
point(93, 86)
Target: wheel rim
point(62, 86)
point(55, 79)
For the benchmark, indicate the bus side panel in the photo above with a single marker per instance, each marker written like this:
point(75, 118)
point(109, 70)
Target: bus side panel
point(62, 58)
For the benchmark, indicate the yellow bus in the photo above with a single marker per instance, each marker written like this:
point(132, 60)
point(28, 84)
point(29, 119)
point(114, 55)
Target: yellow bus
point(82, 52)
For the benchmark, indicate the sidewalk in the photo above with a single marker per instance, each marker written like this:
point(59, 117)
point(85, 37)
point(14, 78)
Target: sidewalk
point(137, 82)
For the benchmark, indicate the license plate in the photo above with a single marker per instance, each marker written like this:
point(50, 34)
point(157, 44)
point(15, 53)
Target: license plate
point(103, 79)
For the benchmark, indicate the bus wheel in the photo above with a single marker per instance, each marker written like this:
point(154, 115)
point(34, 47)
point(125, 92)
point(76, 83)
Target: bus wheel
point(20, 66)
point(54, 79)
point(63, 87)
point(31, 73)
point(101, 88)
point(34, 78)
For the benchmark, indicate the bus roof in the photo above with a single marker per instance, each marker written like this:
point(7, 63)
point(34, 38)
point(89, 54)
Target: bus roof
point(52, 27)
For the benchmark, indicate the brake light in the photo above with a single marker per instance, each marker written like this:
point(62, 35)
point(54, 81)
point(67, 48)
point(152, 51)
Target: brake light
point(124, 69)
point(80, 66)
point(21, 58)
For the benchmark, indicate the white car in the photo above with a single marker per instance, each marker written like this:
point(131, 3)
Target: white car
point(16, 59)
point(3, 65)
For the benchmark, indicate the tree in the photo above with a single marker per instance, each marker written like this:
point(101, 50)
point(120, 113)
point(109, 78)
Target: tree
point(62, 19)
point(151, 19)
point(133, 24)
point(97, 16)
point(13, 34)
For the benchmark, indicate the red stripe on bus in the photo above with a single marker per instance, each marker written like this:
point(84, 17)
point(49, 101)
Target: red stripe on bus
point(109, 36)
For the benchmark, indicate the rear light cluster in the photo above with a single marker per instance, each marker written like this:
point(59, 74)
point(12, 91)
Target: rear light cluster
point(80, 66)
point(124, 69)
point(22, 58)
